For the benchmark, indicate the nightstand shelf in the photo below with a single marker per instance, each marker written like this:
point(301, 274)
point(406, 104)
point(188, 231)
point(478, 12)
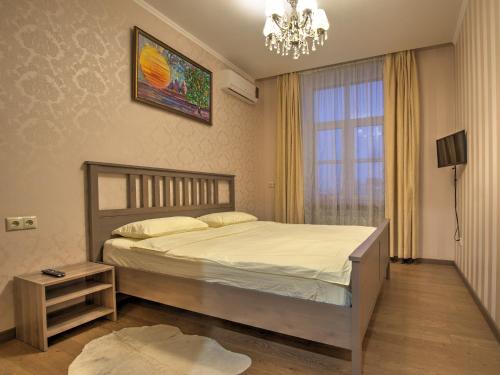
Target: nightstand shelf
point(74, 316)
point(72, 291)
point(47, 306)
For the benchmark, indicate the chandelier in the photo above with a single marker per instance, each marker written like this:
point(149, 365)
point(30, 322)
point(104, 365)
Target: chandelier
point(296, 30)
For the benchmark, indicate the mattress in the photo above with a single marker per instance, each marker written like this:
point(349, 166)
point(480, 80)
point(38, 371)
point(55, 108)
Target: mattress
point(252, 256)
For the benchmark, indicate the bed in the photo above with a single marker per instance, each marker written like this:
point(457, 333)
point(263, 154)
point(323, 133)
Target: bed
point(329, 305)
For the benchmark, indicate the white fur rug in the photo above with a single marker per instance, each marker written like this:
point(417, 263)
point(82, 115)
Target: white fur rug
point(159, 349)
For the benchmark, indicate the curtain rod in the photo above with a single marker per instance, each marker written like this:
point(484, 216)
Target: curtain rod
point(347, 63)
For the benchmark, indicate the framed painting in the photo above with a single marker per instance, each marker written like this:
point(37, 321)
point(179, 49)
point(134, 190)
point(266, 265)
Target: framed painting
point(165, 78)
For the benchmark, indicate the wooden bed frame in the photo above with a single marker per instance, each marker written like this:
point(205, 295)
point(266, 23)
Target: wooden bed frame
point(194, 194)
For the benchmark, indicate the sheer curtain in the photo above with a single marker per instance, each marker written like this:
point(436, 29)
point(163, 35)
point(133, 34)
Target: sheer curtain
point(343, 143)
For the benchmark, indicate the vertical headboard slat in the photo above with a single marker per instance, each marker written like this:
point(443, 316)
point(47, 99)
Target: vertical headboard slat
point(156, 191)
point(166, 192)
point(132, 191)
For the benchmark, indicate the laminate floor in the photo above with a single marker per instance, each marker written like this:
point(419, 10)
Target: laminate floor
point(425, 322)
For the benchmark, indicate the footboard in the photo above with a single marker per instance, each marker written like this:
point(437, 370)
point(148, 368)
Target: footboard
point(370, 267)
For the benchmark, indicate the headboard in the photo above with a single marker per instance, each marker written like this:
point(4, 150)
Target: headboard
point(151, 193)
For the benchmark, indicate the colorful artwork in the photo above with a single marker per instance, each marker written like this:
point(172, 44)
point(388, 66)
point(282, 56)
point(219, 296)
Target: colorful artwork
point(167, 79)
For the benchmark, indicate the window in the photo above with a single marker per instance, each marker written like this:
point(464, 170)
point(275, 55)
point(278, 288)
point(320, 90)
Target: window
point(343, 116)
point(358, 109)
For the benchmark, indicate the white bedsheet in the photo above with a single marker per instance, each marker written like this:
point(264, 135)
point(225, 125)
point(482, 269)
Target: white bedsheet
point(300, 250)
point(173, 255)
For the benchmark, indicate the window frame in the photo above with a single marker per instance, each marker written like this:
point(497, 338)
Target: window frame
point(348, 137)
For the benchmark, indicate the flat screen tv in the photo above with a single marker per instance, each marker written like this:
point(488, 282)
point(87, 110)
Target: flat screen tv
point(452, 150)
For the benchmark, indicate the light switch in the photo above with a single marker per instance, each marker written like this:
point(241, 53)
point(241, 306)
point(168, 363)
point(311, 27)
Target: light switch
point(30, 222)
point(14, 223)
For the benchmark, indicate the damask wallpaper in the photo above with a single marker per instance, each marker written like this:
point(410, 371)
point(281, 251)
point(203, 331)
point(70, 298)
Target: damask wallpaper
point(65, 98)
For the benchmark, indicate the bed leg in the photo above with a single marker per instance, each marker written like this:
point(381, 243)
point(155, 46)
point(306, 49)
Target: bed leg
point(357, 358)
point(356, 322)
point(388, 271)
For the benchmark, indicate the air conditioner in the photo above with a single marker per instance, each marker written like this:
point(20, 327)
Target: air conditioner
point(234, 84)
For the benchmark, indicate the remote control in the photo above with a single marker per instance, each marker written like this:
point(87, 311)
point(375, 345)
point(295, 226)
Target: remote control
point(53, 273)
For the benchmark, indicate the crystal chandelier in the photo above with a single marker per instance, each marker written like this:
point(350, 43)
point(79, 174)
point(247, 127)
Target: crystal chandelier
point(297, 30)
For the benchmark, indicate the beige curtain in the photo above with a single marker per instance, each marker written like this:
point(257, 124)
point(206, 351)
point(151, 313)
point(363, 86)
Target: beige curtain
point(401, 129)
point(289, 193)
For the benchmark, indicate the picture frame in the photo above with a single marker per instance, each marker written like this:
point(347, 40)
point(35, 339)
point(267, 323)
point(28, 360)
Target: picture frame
point(165, 78)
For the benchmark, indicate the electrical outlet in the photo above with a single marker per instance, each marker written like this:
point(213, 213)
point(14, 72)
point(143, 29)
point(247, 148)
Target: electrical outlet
point(21, 223)
point(30, 222)
point(271, 185)
point(14, 223)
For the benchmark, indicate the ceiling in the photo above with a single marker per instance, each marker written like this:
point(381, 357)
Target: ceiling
point(359, 29)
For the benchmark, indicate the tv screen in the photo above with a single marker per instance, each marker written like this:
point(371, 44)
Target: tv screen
point(452, 150)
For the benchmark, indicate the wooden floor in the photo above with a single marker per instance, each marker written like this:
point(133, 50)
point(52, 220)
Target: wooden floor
point(425, 323)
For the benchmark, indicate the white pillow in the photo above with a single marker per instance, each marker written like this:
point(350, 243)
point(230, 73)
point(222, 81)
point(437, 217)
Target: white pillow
point(220, 219)
point(160, 227)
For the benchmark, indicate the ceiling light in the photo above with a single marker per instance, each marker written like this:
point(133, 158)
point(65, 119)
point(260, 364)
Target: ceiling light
point(297, 30)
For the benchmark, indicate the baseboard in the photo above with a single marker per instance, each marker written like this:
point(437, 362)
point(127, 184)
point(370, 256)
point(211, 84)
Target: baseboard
point(443, 262)
point(7, 335)
point(493, 326)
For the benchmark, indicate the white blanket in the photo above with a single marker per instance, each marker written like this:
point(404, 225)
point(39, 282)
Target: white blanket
point(308, 251)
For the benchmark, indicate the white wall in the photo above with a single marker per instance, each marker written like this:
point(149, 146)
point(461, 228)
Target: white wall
point(437, 85)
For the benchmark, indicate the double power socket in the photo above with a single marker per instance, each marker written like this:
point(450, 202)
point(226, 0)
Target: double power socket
point(21, 223)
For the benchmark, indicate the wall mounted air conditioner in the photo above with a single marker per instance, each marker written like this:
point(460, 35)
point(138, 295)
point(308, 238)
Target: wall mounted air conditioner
point(235, 85)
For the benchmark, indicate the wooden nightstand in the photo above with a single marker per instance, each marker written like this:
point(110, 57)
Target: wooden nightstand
point(46, 306)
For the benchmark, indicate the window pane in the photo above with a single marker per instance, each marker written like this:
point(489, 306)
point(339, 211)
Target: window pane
point(329, 144)
point(366, 99)
point(329, 104)
point(329, 178)
point(369, 142)
point(370, 181)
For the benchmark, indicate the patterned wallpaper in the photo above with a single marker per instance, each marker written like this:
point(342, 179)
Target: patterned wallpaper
point(65, 98)
point(477, 56)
